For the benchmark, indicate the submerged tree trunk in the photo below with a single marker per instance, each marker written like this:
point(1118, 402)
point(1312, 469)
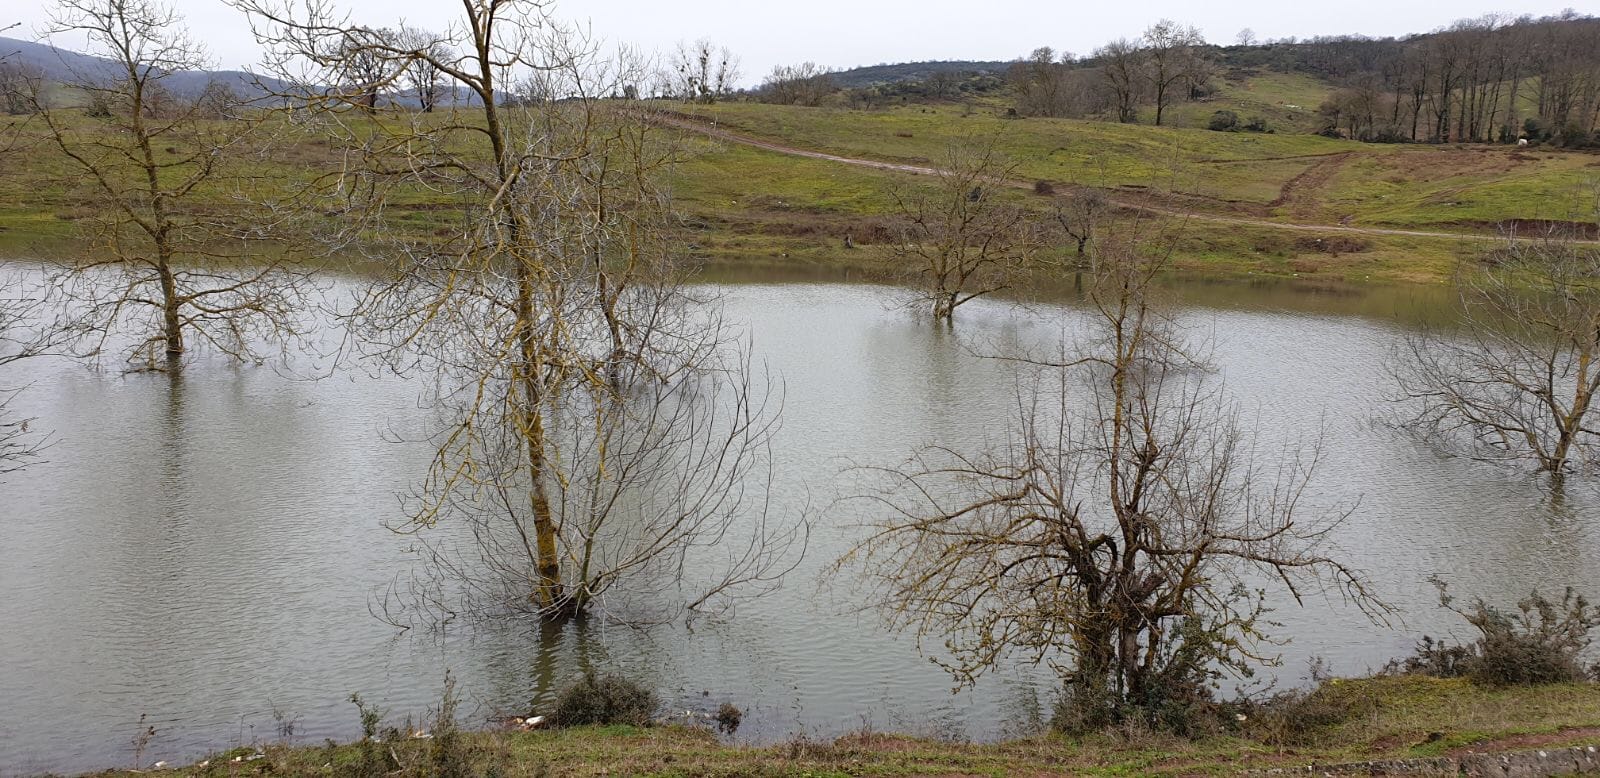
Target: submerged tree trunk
point(172, 323)
point(549, 593)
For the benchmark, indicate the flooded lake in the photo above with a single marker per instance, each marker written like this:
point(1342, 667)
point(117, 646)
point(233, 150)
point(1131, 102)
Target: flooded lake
point(205, 551)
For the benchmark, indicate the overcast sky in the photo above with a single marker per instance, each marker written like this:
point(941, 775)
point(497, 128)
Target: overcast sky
point(846, 33)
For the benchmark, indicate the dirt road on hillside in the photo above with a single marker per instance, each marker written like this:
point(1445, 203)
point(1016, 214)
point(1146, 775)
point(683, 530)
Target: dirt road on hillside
point(691, 124)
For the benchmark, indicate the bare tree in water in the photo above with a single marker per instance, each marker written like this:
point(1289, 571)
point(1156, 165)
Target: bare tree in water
point(1119, 530)
point(964, 238)
point(1516, 379)
point(18, 311)
point(1077, 213)
point(159, 267)
point(602, 438)
point(25, 331)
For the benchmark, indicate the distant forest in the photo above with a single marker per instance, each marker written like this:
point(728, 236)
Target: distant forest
point(1494, 79)
point(1491, 79)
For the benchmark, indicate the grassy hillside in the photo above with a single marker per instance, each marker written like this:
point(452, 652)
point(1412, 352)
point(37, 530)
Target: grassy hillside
point(747, 205)
point(1281, 177)
point(743, 204)
point(1288, 101)
point(871, 75)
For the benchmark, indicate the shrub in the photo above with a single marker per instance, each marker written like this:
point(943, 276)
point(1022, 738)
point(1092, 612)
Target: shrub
point(1178, 699)
point(1042, 187)
point(1536, 130)
point(1085, 705)
point(448, 753)
point(1257, 124)
point(1543, 642)
point(605, 699)
point(1303, 717)
point(373, 758)
point(1224, 121)
point(728, 718)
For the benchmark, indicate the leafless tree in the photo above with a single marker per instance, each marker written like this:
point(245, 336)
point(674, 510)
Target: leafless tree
point(1473, 81)
point(1516, 381)
point(160, 268)
point(804, 84)
point(26, 330)
point(17, 310)
point(702, 73)
point(1078, 212)
point(1122, 65)
point(1353, 112)
point(421, 77)
point(600, 434)
point(963, 238)
point(943, 84)
point(17, 82)
point(218, 100)
point(1119, 530)
point(368, 72)
point(1041, 84)
point(1171, 57)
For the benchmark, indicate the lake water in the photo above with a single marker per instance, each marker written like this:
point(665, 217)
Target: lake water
point(205, 551)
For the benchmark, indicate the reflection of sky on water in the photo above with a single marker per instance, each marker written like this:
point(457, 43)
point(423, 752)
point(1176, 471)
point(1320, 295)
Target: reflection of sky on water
point(206, 551)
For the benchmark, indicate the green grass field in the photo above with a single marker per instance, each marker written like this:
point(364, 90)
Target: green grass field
point(1285, 177)
point(1381, 718)
point(743, 204)
point(780, 209)
point(1288, 101)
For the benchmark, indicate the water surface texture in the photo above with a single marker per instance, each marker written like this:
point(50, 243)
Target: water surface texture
point(205, 551)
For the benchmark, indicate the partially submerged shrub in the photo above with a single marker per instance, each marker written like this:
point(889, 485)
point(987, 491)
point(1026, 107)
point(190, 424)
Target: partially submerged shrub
point(1438, 659)
point(728, 718)
point(1542, 642)
point(605, 699)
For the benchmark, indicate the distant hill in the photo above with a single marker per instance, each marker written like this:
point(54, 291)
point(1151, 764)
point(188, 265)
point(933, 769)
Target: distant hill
point(874, 75)
point(57, 64)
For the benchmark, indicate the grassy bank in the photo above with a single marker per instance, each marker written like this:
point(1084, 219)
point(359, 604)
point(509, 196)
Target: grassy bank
point(1349, 721)
point(777, 209)
point(748, 205)
point(1290, 178)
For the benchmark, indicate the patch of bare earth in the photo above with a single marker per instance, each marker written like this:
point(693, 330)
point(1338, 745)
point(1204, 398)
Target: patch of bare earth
point(1567, 736)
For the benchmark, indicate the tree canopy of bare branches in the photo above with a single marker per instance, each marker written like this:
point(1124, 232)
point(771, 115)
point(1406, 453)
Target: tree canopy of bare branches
point(1078, 212)
point(963, 239)
point(1046, 83)
point(17, 82)
point(1516, 380)
point(1119, 531)
point(1171, 57)
point(159, 267)
point(600, 436)
point(1122, 64)
point(25, 332)
point(423, 80)
point(805, 84)
point(701, 72)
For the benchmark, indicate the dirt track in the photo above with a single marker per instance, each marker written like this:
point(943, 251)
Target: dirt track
point(692, 124)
